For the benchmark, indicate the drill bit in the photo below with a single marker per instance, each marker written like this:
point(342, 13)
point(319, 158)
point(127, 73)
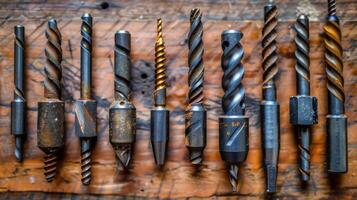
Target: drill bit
point(233, 124)
point(195, 114)
point(50, 123)
point(336, 118)
point(86, 107)
point(269, 106)
point(122, 113)
point(18, 105)
point(303, 107)
point(160, 114)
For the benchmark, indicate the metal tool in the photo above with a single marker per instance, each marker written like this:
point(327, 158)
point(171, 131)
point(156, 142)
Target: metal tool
point(160, 115)
point(50, 123)
point(86, 107)
point(233, 124)
point(195, 113)
point(270, 119)
point(303, 107)
point(18, 105)
point(122, 113)
point(336, 118)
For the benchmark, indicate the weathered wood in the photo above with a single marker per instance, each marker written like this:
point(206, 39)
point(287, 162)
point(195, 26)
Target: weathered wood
point(178, 179)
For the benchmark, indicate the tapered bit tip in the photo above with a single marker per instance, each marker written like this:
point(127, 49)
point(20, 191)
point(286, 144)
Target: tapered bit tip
point(159, 149)
point(123, 156)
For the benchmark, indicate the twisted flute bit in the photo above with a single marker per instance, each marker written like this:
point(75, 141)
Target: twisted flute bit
point(269, 106)
point(303, 107)
point(336, 118)
point(50, 123)
point(160, 115)
point(86, 107)
point(195, 132)
point(233, 124)
point(122, 113)
point(18, 105)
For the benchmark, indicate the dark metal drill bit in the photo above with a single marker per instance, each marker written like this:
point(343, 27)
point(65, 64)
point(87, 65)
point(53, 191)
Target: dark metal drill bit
point(18, 105)
point(303, 107)
point(336, 118)
point(86, 107)
point(233, 124)
point(122, 113)
point(195, 114)
point(50, 132)
point(269, 106)
point(160, 115)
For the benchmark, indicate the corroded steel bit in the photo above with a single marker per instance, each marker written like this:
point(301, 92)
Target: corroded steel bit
point(336, 118)
point(122, 113)
point(86, 107)
point(18, 105)
point(269, 106)
point(233, 124)
point(160, 114)
point(195, 114)
point(50, 123)
point(303, 107)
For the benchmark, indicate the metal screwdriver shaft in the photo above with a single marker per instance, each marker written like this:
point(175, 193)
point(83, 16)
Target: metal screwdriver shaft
point(160, 115)
point(18, 105)
point(86, 107)
point(233, 124)
point(195, 114)
point(336, 118)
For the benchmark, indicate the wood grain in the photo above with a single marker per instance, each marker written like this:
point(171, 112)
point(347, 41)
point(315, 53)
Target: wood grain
point(178, 179)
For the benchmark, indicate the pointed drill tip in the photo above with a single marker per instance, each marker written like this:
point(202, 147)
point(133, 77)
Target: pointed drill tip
point(87, 18)
point(18, 155)
point(196, 157)
point(271, 179)
point(123, 158)
point(305, 177)
point(18, 148)
point(52, 22)
point(159, 149)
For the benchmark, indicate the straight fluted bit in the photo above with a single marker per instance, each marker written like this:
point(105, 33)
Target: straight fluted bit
point(195, 114)
point(336, 118)
point(233, 176)
point(18, 105)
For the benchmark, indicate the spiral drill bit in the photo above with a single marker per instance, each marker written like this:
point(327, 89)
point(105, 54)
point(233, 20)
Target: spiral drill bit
point(303, 107)
point(86, 107)
point(122, 112)
point(269, 106)
point(160, 114)
point(336, 118)
point(233, 124)
point(18, 105)
point(50, 123)
point(195, 114)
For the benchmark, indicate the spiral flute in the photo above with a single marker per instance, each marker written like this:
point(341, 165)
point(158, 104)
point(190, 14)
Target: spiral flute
point(195, 114)
point(86, 107)
point(50, 133)
point(233, 124)
point(336, 118)
point(269, 106)
point(160, 114)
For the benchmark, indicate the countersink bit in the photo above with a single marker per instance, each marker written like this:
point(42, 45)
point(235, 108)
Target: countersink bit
point(303, 107)
point(233, 124)
point(195, 113)
point(160, 115)
point(336, 118)
point(50, 123)
point(86, 107)
point(122, 113)
point(269, 106)
point(18, 105)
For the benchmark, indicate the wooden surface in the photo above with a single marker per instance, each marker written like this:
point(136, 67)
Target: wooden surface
point(178, 179)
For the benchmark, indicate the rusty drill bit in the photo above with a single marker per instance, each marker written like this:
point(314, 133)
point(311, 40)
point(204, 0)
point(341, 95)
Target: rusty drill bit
point(303, 107)
point(50, 123)
point(233, 124)
point(269, 106)
point(160, 114)
point(86, 107)
point(122, 113)
point(336, 118)
point(195, 114)
point(18, 105)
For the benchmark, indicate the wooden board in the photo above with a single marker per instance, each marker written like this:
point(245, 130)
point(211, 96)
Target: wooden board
point(178, 179)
